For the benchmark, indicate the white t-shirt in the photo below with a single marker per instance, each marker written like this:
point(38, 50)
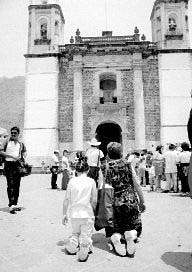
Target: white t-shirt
point(54, 160)
point(184, 157)
point(93, 156)
point(171, 158)
point(65, 163)
point(12, 149)
point(81, 191)
point(151, 171)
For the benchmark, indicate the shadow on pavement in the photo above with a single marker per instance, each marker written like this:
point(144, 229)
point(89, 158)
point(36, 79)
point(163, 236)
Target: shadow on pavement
point(182, 196)
point(180, 260)
point(100, 241)
point(6, 209)
point(62, 243)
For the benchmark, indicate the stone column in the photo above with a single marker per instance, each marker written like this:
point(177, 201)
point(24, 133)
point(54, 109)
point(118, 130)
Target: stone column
point(77, 104)
point(139, 113)
point(124, 143)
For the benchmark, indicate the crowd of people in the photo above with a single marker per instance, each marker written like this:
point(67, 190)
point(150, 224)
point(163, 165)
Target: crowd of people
point(169, 164)
point(91, 171)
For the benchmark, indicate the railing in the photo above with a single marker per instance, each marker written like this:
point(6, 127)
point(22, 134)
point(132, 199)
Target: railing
point(146, 44)
point(108, 39)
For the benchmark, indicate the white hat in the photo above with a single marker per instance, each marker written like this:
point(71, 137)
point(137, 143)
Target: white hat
point(56, 151)
point(94, 142)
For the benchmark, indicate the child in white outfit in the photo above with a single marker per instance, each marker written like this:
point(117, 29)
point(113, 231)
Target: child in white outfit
point(151, 170)
point(80, 202)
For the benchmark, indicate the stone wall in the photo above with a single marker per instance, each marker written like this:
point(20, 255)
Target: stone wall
point(128, 99)
point(88, 83)
point(151, 99)
point(65, 108)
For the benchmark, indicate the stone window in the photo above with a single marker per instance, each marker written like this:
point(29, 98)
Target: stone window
point(172, 23)
point(108, 86)
point(43, 31)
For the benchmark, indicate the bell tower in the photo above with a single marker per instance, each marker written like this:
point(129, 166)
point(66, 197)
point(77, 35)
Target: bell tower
point(46, 26)
point(45, 33)
point(170, 27)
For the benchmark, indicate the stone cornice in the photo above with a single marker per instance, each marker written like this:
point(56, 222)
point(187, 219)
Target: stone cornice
point(48, 6)
point(167, 51)
point(145, 48)
point(44, 55)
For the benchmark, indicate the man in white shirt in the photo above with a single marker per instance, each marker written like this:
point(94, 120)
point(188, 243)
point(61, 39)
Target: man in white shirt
point(94, 156)
point(13, 150)
point(54, 169)
point(171, 160)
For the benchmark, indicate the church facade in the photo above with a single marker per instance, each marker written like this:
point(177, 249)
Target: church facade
point(114, 88)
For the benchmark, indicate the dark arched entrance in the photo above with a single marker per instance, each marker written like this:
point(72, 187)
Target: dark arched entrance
point(106, 133)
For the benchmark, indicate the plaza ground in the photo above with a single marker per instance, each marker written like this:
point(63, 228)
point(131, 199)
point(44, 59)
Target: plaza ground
point(34, 239)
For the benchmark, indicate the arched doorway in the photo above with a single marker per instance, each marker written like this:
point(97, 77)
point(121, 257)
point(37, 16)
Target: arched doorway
point(106, 133)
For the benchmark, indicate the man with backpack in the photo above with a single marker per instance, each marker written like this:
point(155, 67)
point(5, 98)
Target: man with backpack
point(13, 150)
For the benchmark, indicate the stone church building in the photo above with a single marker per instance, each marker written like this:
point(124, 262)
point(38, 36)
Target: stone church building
point(114, 88)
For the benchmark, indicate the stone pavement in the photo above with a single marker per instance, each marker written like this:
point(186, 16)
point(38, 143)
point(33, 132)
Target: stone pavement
point(33, 240)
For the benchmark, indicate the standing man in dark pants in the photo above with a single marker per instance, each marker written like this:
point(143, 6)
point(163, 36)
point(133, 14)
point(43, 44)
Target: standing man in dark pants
point(94, 156)
point(54, 169)
point(13, 150)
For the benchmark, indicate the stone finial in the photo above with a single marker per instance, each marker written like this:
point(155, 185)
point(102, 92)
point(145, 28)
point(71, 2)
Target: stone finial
point(71, 40)
point(136, 30)
point(78, 37)
point(143, 37)
point(78, 32)
point(136, 34)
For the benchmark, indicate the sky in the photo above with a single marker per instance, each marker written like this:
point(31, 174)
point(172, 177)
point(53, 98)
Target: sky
point(90, 16)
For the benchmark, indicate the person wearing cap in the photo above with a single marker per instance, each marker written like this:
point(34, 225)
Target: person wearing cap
point(128, 201)
point(54, 167)
point(95, 156)
point(80, 204)
point(13, 150)
point(171, 161)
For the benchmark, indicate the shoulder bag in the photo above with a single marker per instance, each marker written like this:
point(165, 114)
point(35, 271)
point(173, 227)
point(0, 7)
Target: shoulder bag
point(104, 210)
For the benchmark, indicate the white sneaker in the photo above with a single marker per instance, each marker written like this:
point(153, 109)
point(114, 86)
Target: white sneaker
point(83, 252)
point(118, 246)
point(130, 236)
point(71, 247)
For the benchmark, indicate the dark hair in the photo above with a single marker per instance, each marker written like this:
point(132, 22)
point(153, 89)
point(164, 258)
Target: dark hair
point(185, 146)
point(171, 146)
point(16, 128)
point(159, 148)
point(114, 150)
point(136, 153)
point(81, 165)
point(65, 150)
